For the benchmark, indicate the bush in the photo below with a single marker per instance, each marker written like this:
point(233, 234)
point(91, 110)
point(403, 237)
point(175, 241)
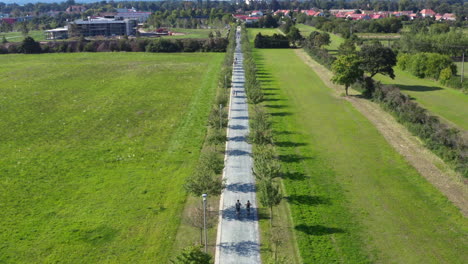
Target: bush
point(444, 141)
point(30, 46)
point(274, 42)
point(427, 65)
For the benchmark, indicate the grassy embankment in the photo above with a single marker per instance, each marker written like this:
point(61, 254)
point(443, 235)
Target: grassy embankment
point(37, 35)
point(94, 153)
point(195, 33)
point(335, 41)
point(448, 103)
point(353, 198)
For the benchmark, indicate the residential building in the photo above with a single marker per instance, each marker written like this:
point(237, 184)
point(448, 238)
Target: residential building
point(427, 13)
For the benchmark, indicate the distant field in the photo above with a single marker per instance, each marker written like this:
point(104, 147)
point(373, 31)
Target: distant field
point(459, 68)
point(353, 198)
point(335, 40)
point(37, 35)
point(195, 33)
point(448, 103)
point(94, 150)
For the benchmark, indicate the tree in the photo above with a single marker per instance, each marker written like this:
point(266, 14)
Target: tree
point(29, 46)
point(377, 59)
point(346, 69)
point(192, 255)
point(216, 137)
point(294, 35)
point(204, 179)
point(269, 195)
point(195, 218)
point(347, 47)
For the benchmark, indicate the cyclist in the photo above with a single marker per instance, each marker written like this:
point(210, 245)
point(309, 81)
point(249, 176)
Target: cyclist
point(238, 206)
point(247, 205)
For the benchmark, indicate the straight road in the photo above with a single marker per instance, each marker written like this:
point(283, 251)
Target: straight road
point(238, 239)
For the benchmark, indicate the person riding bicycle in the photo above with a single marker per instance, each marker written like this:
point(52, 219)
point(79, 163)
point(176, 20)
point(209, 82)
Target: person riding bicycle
point(247, 205)
point(238, 206)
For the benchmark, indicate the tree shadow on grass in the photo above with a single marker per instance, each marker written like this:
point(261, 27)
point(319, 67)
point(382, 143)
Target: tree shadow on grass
point(292, 158)
point(297, 176)
point(318, 230)
point(272, 99)
point(276, 106)
point(281, 113)
point(307, 199)
point(270, 89)
point(418, 88)
point(288, 144)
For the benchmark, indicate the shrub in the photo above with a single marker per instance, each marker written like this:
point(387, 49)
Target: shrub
point(30, 46)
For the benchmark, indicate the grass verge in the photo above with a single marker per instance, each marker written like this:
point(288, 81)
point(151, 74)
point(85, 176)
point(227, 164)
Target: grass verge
point(353, 198)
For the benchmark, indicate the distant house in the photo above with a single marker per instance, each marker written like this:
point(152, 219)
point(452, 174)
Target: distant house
point(256, 13)
point(449, 16)
point(358, 17)
point(313, 13)
point(282, 11)
point(9, 20)
point(75, 9)
point(427, 13)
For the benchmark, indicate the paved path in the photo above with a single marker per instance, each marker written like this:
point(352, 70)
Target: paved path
point(238, 239)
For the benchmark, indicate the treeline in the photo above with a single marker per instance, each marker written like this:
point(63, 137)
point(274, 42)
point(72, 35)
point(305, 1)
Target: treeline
point(206, 177)
point(452, 43)
point(313, 45)
point(444, 141)
point(434, 66)
point(29, 46)
point(276, 41)
point(190, 18)
point(266, 167)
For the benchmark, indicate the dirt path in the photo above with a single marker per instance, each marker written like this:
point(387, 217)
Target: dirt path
point(450, 183)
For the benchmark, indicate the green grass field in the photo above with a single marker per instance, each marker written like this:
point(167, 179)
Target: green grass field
point(195, 33)
point(353, 198)
point(448, 103)
point(335, 40)
point(95, 148)
point(37, 35)
point(459, 68)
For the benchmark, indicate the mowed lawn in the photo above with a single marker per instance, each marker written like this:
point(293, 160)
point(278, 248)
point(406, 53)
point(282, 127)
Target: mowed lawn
point(94, 151)
point(353, 198)
point(448, 103)
point(195, 32)
point(37, 35)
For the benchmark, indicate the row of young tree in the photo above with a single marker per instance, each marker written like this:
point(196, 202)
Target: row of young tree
point(206, 178)
point(266, 167)
point(30, 46)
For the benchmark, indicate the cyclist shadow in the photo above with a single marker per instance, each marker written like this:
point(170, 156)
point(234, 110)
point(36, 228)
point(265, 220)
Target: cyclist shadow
point(230, 214)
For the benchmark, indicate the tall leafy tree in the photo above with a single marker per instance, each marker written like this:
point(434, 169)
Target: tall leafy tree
point(347, 70)
point(377, 59)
